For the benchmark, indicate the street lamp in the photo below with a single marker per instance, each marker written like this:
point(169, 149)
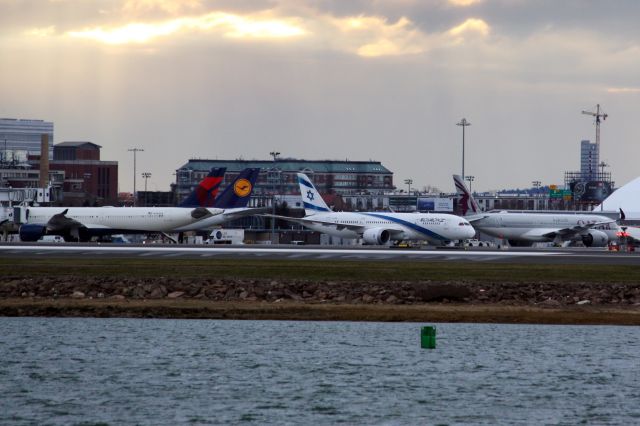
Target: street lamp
point(145, 176)
point(464, 123)
point(536, 184)
point(274, 154)
point(135, 151)
point(408, 182)
point(470, 179)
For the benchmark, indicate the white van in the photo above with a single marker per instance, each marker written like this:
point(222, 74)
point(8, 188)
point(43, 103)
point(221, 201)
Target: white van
point(51, 239)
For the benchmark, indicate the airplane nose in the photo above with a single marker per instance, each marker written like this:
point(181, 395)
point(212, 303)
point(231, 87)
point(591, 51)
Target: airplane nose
point(470, 232)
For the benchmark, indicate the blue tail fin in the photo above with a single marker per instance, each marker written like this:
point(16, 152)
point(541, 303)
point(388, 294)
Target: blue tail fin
point(205, 193)
point(237, 194)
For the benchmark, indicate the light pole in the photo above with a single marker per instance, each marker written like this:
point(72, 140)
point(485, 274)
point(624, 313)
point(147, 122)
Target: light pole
point(470, 179)
point(408, 182)
point(274, 154)
point(464, 123)
point(135, 151)
point(145, 176)
point(536, 184)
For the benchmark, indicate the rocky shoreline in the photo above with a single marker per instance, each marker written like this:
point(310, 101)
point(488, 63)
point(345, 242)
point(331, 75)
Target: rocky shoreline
point(546, 294)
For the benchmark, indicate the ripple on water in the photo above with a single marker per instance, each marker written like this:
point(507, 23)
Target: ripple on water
point(113, 371)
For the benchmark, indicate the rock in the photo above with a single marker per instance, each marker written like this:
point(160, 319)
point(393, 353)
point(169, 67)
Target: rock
point(583, 302)
point(177, 294)
point(157, 293)
point(391, 299)
point(438, 292)
point(117, 297)
point(77, 295)
point(367, 298)
point(243, 295)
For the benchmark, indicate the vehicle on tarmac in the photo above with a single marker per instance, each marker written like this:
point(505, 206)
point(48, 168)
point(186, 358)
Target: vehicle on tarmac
point(525, 228)
point(377, 228)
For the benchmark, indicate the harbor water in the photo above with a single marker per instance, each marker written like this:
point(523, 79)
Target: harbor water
point(134, 371)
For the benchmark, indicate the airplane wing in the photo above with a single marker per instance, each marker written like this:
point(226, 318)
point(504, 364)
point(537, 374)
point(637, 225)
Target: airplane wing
point(339, 226)
point(574, 230)
point(476, 218)
point(232, 214)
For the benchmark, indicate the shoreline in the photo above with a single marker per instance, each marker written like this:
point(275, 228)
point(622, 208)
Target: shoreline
point(297, 311)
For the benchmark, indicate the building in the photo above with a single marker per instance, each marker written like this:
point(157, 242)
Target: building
point(21, 138)
point(87, 179)
point(589, 160)
point(591, 184)
point(352, 184)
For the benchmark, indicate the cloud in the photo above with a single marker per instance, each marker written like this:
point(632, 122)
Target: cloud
point(41, 32)
point(470, 27)
point(258, 26)
point(173, 7)
point(372, 36)
point(464, 3)
point(623, 90)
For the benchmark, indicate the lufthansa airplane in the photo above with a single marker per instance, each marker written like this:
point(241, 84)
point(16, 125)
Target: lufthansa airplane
point(378, 228)
point(529, 227)
point(233, 199)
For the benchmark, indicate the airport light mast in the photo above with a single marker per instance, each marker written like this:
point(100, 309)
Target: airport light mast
point(464, 123)
point(598, 115)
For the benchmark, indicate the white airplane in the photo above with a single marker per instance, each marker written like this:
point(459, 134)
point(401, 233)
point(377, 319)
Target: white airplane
point(529, 227)
point(377, 228)
point(83, 223)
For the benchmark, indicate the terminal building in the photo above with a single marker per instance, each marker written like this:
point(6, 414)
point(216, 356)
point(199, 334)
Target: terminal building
point(356, 184)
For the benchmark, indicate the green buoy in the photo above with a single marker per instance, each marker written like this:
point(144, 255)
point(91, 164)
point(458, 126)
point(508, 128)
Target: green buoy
point(428, 337)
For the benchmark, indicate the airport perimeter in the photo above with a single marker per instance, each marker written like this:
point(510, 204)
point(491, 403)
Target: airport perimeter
point(153, 283)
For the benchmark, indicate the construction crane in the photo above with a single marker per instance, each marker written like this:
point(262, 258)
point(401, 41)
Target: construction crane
point(598, 115)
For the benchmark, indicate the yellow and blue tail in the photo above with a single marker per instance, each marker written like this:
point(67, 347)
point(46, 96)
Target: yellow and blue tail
point(237, 194)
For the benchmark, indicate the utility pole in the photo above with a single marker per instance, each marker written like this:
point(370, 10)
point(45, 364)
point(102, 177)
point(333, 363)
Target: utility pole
point(135, 151)
point(274, 154)
point(464, 123)
point(408, 182)
point(145, 176)
point(470, 179)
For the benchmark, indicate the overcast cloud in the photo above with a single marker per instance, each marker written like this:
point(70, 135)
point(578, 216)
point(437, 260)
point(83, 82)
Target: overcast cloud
point(383, 80)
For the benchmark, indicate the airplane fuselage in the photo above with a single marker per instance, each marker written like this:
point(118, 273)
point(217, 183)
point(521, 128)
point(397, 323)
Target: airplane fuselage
point(534, 226)
point(435, 228)
point(142, 219)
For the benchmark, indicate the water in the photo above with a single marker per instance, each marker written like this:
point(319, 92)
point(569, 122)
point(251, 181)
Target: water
point(131, 371)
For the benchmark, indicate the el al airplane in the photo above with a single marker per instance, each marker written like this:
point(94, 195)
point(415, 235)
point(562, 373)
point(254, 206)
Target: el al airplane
point(233, 199)
point(529, 227)
point(377, 228)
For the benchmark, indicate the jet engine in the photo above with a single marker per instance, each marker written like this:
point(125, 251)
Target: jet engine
point(376, 236)
point(32, 232)
point(595, 238)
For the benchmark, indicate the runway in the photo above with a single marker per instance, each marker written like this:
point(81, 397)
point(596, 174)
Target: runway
point(513, 255)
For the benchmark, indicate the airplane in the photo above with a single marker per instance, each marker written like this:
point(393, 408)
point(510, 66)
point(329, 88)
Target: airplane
point(525, 228)
point(83, 223)
point(233, 201)
point(377, 228)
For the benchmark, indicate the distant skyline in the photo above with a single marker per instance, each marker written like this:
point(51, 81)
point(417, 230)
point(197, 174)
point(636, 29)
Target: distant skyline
point(334, 79)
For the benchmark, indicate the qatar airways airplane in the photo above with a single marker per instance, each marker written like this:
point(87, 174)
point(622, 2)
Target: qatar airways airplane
point(377, 228)
point(529, 227)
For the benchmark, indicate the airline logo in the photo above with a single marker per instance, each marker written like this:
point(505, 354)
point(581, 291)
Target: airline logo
point(207, 190)
point(242, 188)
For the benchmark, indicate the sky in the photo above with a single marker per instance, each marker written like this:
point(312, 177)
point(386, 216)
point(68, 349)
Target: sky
point(332, 79)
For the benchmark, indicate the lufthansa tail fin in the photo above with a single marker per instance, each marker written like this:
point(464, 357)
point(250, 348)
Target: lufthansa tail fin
point(204, 194)
point(237, 194)
point(466, 201)
point(313, 202)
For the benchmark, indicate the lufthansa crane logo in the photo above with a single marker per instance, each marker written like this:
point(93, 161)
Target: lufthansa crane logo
point(242, 188)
